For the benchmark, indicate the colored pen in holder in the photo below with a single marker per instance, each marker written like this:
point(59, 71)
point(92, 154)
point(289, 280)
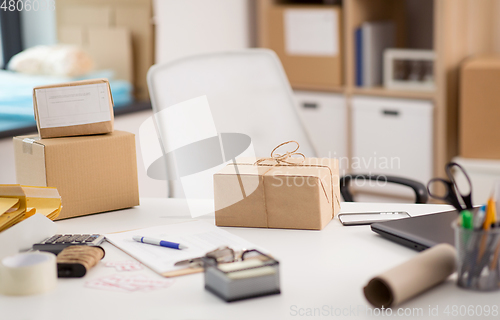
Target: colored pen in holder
point(478, 257)
point(256, 274)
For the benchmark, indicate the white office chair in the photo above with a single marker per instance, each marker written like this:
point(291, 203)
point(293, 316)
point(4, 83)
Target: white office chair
point(248, 92)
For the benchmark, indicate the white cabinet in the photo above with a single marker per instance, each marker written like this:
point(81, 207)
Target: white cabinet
point(393, 137)
point(325, 118)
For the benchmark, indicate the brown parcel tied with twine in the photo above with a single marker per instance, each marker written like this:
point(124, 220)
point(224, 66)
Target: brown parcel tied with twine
point(413, 277)
point(277, 192)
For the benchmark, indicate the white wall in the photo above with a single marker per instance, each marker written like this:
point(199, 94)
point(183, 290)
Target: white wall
point(182, 27)
point(190, 27)
point(38, 27)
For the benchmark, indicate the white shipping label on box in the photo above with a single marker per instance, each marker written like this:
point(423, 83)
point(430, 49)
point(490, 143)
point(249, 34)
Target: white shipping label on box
point(311, 32)
point(73, 105)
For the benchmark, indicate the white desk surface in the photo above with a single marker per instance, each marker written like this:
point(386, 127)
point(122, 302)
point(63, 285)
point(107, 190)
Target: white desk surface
point(323, 270)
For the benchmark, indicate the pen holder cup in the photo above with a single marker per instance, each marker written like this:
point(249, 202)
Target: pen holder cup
point(478, 258)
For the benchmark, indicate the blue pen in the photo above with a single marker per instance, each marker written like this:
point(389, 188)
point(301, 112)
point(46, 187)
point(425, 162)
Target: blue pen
point(479, 218)
point(158, 242)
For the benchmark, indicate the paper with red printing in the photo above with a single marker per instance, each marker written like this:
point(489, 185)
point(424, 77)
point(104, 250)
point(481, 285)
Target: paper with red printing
point(123, 283)
point(128, 265)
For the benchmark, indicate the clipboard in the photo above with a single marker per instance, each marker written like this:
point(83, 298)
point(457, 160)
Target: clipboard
point(199, 236)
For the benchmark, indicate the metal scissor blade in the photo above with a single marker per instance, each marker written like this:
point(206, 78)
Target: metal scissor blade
point(221, 255)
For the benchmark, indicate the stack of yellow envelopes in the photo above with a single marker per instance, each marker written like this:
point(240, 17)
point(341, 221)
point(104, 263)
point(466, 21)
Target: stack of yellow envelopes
point(20, 202)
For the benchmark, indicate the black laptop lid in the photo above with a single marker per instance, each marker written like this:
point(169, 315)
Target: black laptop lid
point(419, 232)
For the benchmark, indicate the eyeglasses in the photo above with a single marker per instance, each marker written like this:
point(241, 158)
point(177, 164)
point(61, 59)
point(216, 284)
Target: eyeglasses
point(220, 255)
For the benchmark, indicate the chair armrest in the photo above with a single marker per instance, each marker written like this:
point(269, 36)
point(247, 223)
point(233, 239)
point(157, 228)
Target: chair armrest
point(421, 195)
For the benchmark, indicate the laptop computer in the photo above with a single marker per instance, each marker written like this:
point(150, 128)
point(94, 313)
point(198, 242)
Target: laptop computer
point(421, 232)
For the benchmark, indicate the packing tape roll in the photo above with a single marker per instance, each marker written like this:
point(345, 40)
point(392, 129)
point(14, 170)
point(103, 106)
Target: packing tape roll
point(413, 277)
point(28, 273)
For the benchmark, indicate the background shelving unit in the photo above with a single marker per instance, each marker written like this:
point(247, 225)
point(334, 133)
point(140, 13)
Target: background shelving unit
point(454, 29)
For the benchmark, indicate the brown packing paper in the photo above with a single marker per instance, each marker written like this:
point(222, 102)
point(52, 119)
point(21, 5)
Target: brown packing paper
point(278, 192)
point(411, 278)
point(75, 130)
point(17, 211)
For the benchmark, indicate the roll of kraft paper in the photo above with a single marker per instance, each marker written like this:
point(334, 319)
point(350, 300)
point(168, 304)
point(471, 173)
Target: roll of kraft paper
point(28, 273)
point(413, 277)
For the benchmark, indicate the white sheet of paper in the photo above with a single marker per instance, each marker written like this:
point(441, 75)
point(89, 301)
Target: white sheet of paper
point(24, 234)
point(200, 237)
point(311, 32)
point(73, 105)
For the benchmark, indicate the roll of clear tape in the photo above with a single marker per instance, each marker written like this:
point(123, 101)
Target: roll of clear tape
point(28, 273)
point(413, 277)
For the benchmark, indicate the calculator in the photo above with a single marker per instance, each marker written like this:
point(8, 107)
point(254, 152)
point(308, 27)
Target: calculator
point(58, 242)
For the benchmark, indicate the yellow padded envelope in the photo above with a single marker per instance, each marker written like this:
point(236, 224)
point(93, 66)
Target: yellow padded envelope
point(20, 202)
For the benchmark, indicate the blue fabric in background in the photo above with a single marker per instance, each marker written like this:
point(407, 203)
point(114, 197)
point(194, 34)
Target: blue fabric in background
point(16, 95)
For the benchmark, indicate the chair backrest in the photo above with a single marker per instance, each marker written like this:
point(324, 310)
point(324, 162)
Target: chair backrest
point(248, 92)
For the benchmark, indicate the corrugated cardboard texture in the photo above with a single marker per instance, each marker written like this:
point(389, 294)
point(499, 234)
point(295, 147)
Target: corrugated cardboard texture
point(78, 130)
point(92, 173)
point(480, 108)
point(77, 16)
point(304, 72)
point(305, 196)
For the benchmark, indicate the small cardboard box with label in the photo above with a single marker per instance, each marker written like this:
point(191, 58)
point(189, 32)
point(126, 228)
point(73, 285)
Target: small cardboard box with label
point(277, 192)
point(73, 108)
point(93, 174)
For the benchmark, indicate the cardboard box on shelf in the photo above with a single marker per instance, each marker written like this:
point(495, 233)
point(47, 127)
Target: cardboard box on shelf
point(479, 112)
point(307, 38)
point(133, 46)
point(304, 195)
point(93, 174)
point(73, 108)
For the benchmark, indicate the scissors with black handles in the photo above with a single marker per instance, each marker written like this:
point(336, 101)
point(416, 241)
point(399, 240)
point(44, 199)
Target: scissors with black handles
point(452, 193)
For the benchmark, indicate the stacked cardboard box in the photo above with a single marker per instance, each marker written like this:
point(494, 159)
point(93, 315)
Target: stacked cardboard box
point(118, 34)
point(93, 167)
point(308, 40)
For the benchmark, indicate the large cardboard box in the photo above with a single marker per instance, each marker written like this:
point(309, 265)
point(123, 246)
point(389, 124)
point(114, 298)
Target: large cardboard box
point(479, 115)
point(73, 108)
point(305, 195)
point(92, 173)
point(307, 39)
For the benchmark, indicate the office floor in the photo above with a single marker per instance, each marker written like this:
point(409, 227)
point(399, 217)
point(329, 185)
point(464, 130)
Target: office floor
point(129, 122)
